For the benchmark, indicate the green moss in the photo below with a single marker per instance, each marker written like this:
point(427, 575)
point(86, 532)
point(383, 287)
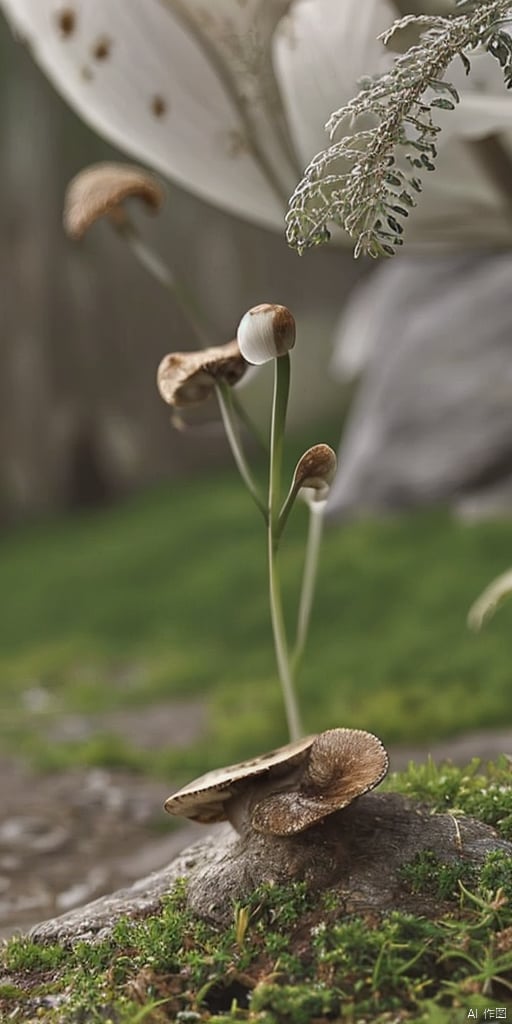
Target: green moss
point(293, 1004)
point(427, 874)
point(483, 792)
point(23, 955)
point(496, 874)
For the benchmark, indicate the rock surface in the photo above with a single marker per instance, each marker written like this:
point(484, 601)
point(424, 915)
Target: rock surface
point(358, 853)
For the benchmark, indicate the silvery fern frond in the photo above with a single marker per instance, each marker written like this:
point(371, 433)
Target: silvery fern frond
point(367, 181)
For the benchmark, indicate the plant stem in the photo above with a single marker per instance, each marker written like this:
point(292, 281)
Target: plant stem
point(162, 273)
point(279, 406)
point(286, 508)
point(315, 530)
point(230, 426)
point(277, 426)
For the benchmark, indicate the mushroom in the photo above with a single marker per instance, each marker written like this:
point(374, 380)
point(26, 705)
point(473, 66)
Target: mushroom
point(314, 473)
point(266, 332)
point(99, 191)
point(185, 378)
point(289, 789)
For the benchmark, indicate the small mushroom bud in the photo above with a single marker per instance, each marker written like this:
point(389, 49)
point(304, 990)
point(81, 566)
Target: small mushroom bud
point(100, 190)
point(186, 378)
point(315, 471)
point(266, 332)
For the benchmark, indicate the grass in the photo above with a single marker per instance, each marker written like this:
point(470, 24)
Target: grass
point(164, 597)
point(291, 956)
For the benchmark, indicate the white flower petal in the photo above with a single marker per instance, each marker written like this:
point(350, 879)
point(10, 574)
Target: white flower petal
point(321, 51)
point(323, 48)
point(189, 87)
point(485, 103)
point(136, 72)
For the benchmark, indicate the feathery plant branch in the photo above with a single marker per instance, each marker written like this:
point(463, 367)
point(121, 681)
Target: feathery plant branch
point(367, 181)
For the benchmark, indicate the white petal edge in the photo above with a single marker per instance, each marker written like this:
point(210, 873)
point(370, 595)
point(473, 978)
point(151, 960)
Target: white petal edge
point(489, 601)
point(196, 140)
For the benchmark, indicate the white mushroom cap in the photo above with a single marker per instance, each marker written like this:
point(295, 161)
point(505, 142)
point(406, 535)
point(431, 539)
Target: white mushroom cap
point(266, 332)
point(337, 766)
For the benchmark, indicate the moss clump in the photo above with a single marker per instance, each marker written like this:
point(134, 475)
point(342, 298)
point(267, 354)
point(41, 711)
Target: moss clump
point(496, 874)
point(427, 874)
point(295, 1004)
point(482, 792)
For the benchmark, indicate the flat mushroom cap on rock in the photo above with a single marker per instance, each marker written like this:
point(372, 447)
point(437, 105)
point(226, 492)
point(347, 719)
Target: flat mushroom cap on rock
point(292, 788)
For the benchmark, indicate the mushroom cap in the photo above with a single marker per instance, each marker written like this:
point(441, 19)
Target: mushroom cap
point(343, 764)
point(326, 773)
point(316, 469)
point(266, 332)
point(185, 378)
point(204, 800)
point(99, 190)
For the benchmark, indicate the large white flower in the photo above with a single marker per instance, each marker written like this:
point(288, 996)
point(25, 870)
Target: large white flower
point(229, 97)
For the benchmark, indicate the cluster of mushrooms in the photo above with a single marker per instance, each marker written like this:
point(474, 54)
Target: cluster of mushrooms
point(291, 789)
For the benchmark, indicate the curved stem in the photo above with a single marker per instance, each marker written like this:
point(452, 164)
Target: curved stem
point(277, 425)
point(281, 647)
point(228, 419)
point(315, 530)
point(162, 273)
point(286, 508)
point(279, 407)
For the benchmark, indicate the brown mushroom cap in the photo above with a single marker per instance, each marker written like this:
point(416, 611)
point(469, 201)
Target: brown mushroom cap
point(327, 772)
point(99, 190)
point(316, 468)
point(205, 799)
point(342, 765)
point(185, 378)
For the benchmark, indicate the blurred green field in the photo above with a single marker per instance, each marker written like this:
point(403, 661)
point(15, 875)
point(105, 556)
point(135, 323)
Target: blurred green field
point(164, 597)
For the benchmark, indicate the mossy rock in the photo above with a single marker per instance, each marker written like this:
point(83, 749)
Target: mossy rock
point(403, 913)
point(357, 854)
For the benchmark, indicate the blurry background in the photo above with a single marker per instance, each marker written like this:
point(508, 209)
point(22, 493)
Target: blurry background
point(135, 645)
point(84, 328)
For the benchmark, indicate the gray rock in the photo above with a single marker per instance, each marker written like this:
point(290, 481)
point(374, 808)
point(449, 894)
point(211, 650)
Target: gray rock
point(432, 419)
point(357, 853)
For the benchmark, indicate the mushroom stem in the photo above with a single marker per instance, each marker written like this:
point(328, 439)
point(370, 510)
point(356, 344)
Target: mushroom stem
point(279, 407)
point(307, 593)
point(187, 303)
point(162, 273)
point(287, 505)
point(226, 409)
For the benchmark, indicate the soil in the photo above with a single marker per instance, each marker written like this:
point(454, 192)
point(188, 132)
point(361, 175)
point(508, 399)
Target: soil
point(68, 838)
